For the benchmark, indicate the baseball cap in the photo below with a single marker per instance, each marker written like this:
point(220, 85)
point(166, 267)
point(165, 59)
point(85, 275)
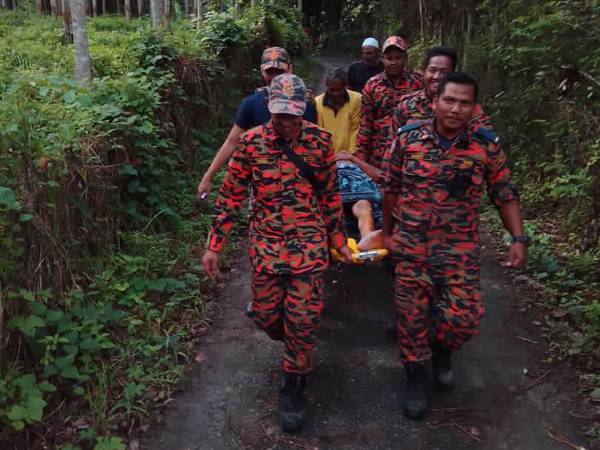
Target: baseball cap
point(370, 42)
point(395, 41)
point(275, 57)
point(287, 95)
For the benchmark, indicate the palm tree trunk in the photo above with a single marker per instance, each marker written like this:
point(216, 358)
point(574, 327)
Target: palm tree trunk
point(83, 69)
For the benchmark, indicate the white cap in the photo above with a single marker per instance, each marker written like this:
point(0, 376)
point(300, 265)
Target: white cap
point(370, 42)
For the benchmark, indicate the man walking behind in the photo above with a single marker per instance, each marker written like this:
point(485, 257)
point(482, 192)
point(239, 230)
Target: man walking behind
point(381, 95)
point(252, 112)
point(418, 105)
point(296, 217)
point(435, 176)
point(360, 71)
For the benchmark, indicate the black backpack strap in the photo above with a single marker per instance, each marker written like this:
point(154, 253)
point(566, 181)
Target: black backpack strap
point(302, 166)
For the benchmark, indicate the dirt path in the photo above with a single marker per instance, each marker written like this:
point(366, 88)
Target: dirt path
point(502, 401)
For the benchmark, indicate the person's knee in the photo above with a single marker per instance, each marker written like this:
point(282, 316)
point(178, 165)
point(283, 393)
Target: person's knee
point(362, 208)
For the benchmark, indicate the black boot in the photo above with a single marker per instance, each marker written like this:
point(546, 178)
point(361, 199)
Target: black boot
point(441, 365)
point(291, 402)
point(414, 392)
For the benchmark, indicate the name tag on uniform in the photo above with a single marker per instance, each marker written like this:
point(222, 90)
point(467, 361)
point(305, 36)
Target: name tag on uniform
point(263, 160)
point(415, 156)
point(311, 158)
point(463, 163)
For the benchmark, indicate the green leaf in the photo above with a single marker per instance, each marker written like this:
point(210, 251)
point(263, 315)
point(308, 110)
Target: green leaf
point(47, 387)
point(127, 169)
point(35, 408)
point(25, 217)
point(89, 344)
point(17, 413)
point(69, 96)
point(596, 393)
point(18, 425)
point(7, 198)
point(113, 443)
point(72, 373)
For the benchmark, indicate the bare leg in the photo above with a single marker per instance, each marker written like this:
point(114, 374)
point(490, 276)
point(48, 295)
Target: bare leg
point(363, 212)
point(369, 237)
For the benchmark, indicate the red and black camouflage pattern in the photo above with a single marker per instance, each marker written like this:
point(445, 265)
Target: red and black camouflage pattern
point(291, 226)
point(380, 97)
point(417, 106)
point(435, 233)
point(288, 308)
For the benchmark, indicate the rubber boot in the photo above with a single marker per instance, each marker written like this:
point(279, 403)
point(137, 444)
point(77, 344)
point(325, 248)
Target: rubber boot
point(291, 402)
point(441, 366)
point(414, 392)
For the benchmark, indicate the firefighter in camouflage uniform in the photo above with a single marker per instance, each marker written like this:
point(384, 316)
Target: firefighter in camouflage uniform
point(418, 105)
point(297, 216)
point(381, 95)
point(435, 176)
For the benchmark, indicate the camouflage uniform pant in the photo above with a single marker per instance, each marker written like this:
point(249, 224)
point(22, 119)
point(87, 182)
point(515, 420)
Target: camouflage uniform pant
point(288, 308)
point(437, 301)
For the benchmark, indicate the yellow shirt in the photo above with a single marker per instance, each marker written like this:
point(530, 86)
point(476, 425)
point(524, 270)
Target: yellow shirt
point(344, 124)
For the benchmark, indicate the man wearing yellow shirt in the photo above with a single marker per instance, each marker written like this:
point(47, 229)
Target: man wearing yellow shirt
point(338, 111)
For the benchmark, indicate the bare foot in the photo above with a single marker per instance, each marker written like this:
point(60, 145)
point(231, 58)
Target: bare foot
point(371, 241)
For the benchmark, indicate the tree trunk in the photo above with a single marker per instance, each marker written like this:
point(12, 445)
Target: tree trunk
point(186, 7)
point(53, 7)
point(252, 4)
point(95, 8)
point(3, 4)
point(83, 70)
point(468, 36)
point(166, 18)
point(299, 3)
point(39, 6)
point(421, 20)
point(118, 2)
point(67, 34)
point(128, 9)
point(103, 7)
point(140, 6)
point(199, 15)
point(155, 13)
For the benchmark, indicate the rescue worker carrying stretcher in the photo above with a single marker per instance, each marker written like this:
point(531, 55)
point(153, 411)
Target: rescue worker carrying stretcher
point(436, 172)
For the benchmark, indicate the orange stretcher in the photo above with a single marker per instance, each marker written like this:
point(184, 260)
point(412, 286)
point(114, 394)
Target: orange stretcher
point(361, 257)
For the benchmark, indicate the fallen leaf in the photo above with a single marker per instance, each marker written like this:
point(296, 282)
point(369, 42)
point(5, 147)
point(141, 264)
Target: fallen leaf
point(474, 431)
point(134, 445)
point(200, 357)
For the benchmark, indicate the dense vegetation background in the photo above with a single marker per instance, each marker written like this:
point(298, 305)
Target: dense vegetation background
point(101, 293)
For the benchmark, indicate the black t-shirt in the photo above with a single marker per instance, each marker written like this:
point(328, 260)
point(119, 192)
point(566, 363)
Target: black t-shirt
point(254, 111)
point(359, 73)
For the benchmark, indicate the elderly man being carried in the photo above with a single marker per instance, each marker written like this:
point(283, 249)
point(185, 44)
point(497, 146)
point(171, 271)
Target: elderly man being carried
point(339, 113)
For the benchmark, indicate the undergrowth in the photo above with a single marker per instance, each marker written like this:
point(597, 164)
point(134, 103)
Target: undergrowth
point(101, 291)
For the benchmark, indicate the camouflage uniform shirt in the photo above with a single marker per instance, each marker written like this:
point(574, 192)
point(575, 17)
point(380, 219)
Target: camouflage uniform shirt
point(439, 191)
point(380, 98)
point(417, 106)
point(291, 226)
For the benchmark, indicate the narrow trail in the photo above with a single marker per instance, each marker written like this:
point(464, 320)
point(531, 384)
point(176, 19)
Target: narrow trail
point(503, 399)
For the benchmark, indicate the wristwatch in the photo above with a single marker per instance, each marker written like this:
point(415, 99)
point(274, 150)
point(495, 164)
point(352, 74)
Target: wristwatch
point(523, 239)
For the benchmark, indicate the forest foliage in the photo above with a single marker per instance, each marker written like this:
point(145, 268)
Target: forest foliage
point(101, 292)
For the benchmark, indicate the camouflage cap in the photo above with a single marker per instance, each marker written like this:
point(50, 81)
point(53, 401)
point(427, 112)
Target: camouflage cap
point(395, 41)
point(275, 57)
point(287, 95)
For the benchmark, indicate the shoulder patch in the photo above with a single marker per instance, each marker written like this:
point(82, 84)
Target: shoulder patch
point(488, 135)
point(410, 127)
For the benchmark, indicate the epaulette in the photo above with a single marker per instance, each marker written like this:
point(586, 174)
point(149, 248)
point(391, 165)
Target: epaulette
point(488, 135)
point(411, 126)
